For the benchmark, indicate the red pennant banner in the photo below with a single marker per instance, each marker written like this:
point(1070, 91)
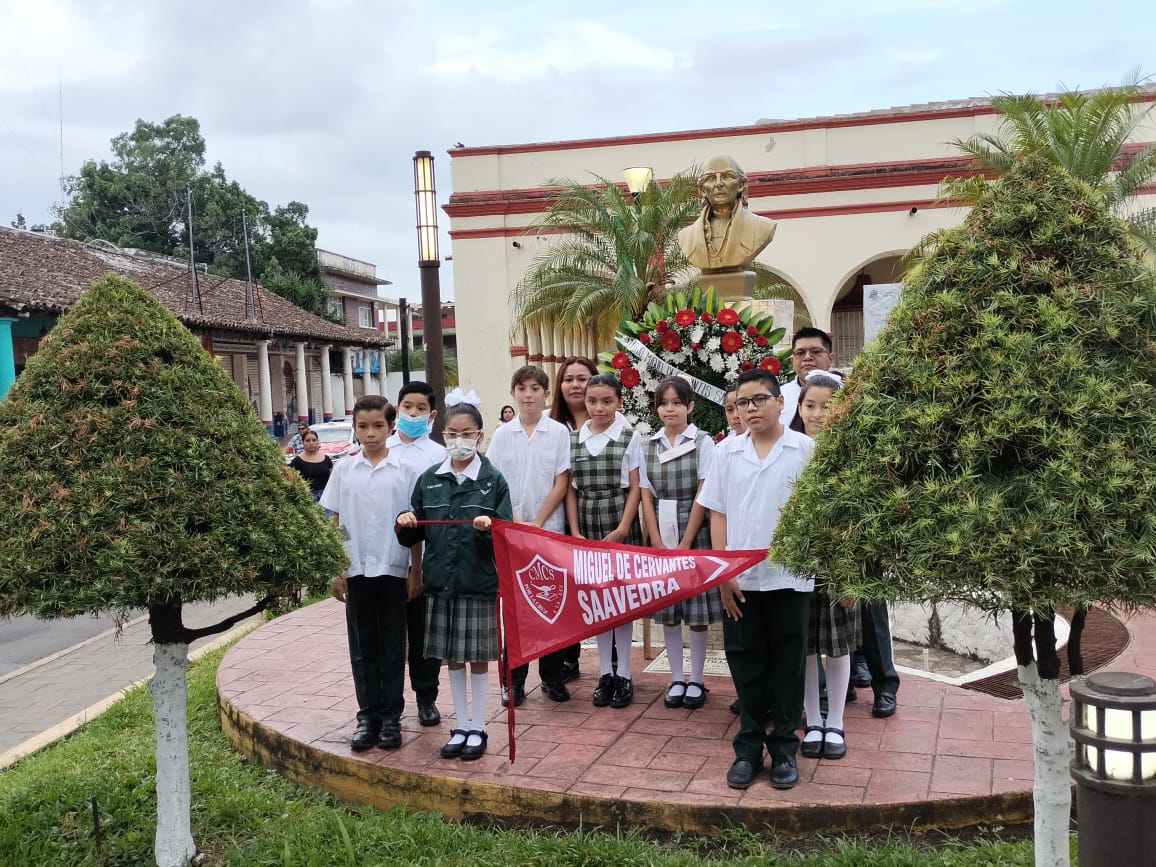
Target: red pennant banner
point(556, 590)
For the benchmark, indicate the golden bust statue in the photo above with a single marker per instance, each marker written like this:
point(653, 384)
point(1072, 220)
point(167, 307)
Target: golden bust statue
point(726, 236)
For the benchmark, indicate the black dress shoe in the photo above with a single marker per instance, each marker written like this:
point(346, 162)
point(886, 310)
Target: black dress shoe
point(784, 772)
point(694, 702)
point(365, 735)
point(674, 694)
point(834, 749)
point(605, 690)
point(852, 695)
point(623, 693)
point(453, 750)
point(556, 691)
point(812, 749)
point(570, 671)
point(390, 737)
point(884, 705)
point(473, 752)
point(742, 773)
point(734, 706)
point(428, 713)
point(519, 695)
point(860, 674)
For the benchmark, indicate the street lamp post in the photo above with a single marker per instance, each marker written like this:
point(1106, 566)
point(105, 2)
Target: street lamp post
point(429, 264)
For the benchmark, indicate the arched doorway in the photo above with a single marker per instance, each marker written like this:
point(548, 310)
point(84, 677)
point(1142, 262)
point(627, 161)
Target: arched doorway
point(847, 312)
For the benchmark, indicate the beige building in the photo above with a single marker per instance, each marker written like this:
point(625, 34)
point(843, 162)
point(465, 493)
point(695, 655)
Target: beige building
point(851, 193)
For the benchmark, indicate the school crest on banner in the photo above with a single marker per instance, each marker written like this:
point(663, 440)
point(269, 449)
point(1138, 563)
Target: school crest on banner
point(543, 586)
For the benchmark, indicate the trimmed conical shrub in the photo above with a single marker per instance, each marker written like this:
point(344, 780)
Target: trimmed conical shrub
point(136, 474)
point(997, 443)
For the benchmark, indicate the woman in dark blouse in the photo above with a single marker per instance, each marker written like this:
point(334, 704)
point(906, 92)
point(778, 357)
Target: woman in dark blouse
point(312, 464)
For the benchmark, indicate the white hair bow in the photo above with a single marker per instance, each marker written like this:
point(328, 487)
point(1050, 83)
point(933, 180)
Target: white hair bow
point(455, 397)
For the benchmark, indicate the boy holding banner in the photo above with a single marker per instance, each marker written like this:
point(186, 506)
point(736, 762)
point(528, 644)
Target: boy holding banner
point(532, 451)
point(767, 608)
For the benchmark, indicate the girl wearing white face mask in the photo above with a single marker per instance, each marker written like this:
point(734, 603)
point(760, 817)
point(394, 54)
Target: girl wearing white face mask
point(460, 577)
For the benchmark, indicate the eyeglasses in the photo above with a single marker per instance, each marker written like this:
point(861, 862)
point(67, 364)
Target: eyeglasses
point(758, 401)
point(464, 434)
point(808, 353)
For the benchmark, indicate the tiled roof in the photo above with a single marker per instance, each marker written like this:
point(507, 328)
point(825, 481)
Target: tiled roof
point(40, 273)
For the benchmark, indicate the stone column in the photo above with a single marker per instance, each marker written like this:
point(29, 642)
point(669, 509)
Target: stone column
point(264, 386)
point(347, 379)
point(383, 383)
point(366, 370)
point(326, 385)
point(302, 384)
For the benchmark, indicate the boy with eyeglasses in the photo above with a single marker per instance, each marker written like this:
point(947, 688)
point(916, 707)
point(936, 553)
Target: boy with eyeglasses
point(811, 349)
point(767, 607)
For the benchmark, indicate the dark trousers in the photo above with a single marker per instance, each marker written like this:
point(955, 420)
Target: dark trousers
point(766, 650)
point(375, 623)
point(876, 648)
point(423, 671)
point(549, 669)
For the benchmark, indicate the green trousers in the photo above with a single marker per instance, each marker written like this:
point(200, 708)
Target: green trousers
point(766, 650)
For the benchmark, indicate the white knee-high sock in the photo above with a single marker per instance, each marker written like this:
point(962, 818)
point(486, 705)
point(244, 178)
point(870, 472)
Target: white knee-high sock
point(479, 685)
point(697, 655)
point(838, 677)
point(672, 635)
point(811, 693)
point(606, 651)
point(623, 635)
point(461, 699)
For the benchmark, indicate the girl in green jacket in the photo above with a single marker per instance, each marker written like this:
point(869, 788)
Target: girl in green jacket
point(459, 575)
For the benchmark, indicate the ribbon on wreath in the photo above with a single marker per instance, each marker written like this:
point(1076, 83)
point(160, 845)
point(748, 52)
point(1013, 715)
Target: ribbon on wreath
point(703, 389)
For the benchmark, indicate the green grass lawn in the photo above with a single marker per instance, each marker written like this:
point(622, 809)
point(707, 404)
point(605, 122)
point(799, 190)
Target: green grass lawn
point(244, 815)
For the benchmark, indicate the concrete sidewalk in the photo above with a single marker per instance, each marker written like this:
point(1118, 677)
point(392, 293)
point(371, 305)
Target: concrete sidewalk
point(52, 697)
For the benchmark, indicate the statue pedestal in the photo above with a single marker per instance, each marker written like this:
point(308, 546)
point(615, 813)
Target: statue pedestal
point(728, 285)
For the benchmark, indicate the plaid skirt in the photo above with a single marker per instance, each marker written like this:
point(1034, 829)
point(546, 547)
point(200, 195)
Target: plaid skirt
point(835, 631)
point(701, 610)
point(461, 629)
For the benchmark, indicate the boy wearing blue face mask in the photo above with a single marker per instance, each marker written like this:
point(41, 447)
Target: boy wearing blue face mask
point(410, 442)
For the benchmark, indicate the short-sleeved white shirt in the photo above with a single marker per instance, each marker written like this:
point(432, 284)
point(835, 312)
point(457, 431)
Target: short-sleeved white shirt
point(368, 500)
point(530, 465)
point(706, 448)
point(421, 454)
point(596, 444)
point(790, 391)
point(752, 493)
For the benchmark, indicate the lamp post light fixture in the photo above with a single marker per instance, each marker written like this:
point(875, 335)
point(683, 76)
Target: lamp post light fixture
point(429, 263)
point(1114, 766)
point(638, 179)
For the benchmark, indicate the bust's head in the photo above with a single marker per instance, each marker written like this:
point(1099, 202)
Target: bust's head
point(722, 184)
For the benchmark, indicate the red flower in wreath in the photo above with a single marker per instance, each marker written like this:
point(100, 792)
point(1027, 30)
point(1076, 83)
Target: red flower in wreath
point(644, 338)
point(696, 346)
point(727, 316)
point(746, 365)
point(629, 377)
point(760, 341)
point(620, 360)
point(732, 341)
point(719, 437)
point(752, 331)
point(707, 318)
point(671, 342)
point(684, 318)
point(661, 326)
point(772, 364)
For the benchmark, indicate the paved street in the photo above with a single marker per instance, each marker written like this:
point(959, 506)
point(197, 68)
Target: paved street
point(56, 675)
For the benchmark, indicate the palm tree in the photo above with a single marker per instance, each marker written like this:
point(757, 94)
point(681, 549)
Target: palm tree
point(1086, 133)
point(613, 255)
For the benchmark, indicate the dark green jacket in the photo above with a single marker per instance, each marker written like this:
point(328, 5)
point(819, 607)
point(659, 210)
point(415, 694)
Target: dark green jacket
point(458, 560)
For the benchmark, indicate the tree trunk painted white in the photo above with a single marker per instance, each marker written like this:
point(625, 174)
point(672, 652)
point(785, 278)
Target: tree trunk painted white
point(1052, 746)
point(174, 841)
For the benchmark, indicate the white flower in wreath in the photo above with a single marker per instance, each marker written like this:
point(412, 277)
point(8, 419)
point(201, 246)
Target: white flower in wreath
point(644, 428)
point(678, 357)
point(696, 334)
point(732, 362)
point(716, 363)
point(713, 344)
point(731, 375)
point(704, 356)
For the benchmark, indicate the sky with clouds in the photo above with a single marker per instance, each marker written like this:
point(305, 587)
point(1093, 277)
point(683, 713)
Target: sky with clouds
point(325, 101)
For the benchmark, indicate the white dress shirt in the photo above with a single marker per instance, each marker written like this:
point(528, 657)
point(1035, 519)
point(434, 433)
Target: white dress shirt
point(530, 465)
point(596, 444)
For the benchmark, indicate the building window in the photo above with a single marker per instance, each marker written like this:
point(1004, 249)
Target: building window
point(365, 315)
point(334, 308)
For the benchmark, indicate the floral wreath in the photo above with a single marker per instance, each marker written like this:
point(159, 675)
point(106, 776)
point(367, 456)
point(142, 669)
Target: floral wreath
point(695, 337)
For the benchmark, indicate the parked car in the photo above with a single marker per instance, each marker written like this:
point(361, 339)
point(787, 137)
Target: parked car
point(336, 439)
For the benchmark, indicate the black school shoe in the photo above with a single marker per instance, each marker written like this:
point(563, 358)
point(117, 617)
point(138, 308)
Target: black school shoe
point(390, 737)
point(570, 670)
point(365, 735)
point(556, 691)
point(742, 773)
point(784, 772)
point(604, 691)
point(623, 693)
point(472, 752)
point(519, 695)
point(428, 713)
point(883, 706)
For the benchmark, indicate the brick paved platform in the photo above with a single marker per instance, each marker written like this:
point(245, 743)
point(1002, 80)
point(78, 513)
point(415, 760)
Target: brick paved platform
point(949, 758)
